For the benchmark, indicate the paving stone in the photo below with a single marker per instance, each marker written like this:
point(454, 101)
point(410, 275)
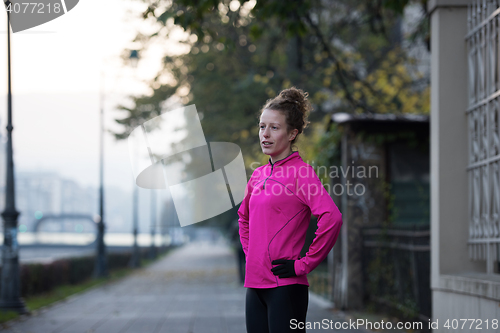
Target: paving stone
point(194, 289)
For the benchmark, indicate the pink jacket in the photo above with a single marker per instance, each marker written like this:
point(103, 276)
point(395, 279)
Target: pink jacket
point(274, 216)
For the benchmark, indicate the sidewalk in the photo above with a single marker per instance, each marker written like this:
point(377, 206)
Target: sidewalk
point(194, 289)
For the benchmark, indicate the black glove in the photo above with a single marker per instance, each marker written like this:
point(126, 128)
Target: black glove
point(285, 268)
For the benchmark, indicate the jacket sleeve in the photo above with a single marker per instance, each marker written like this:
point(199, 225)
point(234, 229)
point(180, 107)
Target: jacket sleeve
point(243, 213)
point(312, 192)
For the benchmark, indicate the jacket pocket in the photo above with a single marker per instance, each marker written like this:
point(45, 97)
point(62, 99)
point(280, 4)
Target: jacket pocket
point(279, 246)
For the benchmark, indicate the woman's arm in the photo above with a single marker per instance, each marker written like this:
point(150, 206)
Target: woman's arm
point(313, 194)
point(244, 215)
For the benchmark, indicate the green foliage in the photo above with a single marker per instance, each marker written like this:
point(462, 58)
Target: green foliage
point(287, 12)
point(409, 137)
point(390, 87)
point(243, 56)
point(7, 315)
point(38, 301)
point(326, 149)
point(346, 54)
point(383, 264)
point(37, 278)
point(396, 5)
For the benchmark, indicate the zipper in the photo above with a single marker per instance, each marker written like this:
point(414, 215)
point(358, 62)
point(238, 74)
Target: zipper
point(272, 166)
point(264, 185)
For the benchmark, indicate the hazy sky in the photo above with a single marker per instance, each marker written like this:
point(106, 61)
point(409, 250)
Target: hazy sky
point(56, 78)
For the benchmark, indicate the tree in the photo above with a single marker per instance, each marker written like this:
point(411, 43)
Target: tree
point(350, 55)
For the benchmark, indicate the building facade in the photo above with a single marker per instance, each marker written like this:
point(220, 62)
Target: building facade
point(465, 238)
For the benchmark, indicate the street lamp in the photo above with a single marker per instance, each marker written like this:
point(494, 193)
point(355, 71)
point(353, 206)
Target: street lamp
point(135, 260)
point(101, 266)
point(134, 58)
point(10, 293)
point(152, 249)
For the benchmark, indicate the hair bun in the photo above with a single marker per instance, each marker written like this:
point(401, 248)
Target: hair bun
point(297, 96)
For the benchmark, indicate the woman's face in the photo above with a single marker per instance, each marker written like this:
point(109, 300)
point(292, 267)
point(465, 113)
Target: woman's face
point(273, 130)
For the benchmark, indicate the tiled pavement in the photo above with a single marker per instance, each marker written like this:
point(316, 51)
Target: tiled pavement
point(192, 290)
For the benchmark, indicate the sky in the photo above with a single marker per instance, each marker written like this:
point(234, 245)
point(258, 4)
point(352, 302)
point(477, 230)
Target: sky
point(58, 70)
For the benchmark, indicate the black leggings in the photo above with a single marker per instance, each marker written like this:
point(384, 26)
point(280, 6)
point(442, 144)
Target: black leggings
point(271, 310)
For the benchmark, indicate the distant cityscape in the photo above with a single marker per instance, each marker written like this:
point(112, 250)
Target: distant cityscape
point(42, 194)
point(46, 194)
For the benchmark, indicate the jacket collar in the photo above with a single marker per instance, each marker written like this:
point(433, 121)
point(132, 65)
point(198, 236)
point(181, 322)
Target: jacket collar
point(293, 155)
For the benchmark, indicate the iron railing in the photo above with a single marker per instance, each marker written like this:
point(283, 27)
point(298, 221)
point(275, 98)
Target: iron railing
point(320, 282)
point(396, 269)
point(483, 21)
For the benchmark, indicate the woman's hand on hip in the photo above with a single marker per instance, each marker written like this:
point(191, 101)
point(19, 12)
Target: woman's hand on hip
point(285, 268)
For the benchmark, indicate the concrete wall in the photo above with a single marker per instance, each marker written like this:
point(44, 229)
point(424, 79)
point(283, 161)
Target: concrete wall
point(449, 144)
point(449, 182)
point(452, 305)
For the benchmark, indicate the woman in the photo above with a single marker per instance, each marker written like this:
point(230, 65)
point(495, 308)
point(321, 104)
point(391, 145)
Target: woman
point(273, 219)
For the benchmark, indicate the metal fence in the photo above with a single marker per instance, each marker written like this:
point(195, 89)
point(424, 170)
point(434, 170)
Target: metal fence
point(483, 119)
point(320, 282)
point(396, 269)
